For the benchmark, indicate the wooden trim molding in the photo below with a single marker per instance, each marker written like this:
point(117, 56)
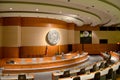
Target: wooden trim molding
point(11, 21)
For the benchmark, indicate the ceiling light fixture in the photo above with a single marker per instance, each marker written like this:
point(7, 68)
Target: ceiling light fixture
point(10, 8)
point(37, 9)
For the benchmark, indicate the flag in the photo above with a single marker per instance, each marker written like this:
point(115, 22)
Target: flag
point(46, 50)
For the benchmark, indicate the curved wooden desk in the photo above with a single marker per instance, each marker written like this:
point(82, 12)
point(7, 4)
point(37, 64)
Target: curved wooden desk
point(28, 65)
point(91, 75)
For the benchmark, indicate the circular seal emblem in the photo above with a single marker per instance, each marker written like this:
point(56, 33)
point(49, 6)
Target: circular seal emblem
point(85, 33)
point(53, 37)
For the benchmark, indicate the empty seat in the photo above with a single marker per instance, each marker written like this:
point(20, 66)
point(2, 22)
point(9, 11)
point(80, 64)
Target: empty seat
point(118, 71)
point(102, 65)
point(106, 64)
point(65, 74)
point(109, 76)
point(76, 78)
point(95, 68)
point(22, 77)
point(96, 76)
point(82, 71)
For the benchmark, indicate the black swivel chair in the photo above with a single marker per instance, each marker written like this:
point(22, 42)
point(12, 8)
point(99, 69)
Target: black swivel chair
point(95, 68)
point(106, 64)
point(22, 77)
point(76, 78)
point(65, 74)
point(82, 71)
point(102, 65)
point(118, 71)
point(97, 76)
point(109, 76)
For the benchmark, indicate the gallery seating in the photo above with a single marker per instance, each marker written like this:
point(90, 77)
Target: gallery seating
point(76, 78)
point(65, 74)
point(97, 76)
point(82, 71)
point(22, 77)
point(109, 76)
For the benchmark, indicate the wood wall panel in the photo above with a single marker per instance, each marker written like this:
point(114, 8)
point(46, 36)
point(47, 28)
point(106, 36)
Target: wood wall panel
point(10, 52)
point(77, 47)
point(32, 51)
point(40, 51)
point(42, 22)
point(71, 26)
point(0, 52)
point(87, 27)
point(97, 48)
point(11, 21)
point(1, 21)
point(64, 48)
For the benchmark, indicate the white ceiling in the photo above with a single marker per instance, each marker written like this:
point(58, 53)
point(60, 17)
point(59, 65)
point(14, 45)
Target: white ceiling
point(80, 12)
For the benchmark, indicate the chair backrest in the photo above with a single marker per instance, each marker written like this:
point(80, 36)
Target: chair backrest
point(106, 64)
point(65, 74)
point(102, 65)
point(95, 68)
point(97, 76)
point(118, 71)
point(76, 78)
point(22, 77)
point(82, 71)
point(110, 74)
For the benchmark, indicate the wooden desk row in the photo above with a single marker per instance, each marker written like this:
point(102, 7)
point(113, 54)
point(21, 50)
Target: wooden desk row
point(89, 76)
point(28, 65)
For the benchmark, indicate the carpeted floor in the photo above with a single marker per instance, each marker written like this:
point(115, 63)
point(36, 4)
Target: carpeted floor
point(48, 75)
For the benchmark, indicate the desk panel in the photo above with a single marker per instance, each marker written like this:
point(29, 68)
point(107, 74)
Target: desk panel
point(44, 64)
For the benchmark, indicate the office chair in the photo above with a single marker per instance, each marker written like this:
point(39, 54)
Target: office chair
point(102, 65)
point(95, 68)
point(65, 74)
point(22, 77)
point(109, 76)
point(82, 71)
point(118, 71)
point(76, 78)
point(97, 76)
point(106, 64)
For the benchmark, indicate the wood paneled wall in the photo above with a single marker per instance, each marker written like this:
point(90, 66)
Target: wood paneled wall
point(1, 21)
point(97, 48)
point(11, 21)
point(0, 52)
point(87, 27)
point(40, 51)
point(10, 52)
point(77, 47)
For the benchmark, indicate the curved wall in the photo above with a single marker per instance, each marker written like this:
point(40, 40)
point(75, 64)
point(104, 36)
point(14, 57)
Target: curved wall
point(26, 37)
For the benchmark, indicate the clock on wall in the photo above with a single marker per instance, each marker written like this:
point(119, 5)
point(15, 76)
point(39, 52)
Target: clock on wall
point(53, 37)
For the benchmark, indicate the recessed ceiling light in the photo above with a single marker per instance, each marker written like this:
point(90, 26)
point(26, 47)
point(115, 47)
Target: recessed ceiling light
point(10, 8)
point(37, 9)
point(60, 12)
